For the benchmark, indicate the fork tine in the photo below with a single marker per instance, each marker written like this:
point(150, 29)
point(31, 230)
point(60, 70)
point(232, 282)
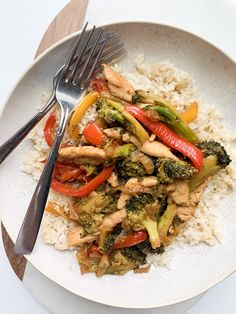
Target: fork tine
point(76, 79)
point(108, 55)
point(80, 55)
point(107, 49)
point(114, 54)
point(96, 60)
point(112, 35)
point(74, 48)
point(116, 46)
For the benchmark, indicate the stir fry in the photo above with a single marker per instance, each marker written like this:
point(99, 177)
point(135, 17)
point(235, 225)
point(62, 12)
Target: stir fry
point(135, 171)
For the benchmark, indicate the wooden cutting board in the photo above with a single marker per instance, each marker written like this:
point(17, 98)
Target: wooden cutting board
point(69, 20)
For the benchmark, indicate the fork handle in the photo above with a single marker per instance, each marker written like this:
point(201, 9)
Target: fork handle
point(30, 226)
point(7, 147)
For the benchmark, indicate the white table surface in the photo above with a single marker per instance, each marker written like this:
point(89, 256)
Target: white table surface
point(22, 24)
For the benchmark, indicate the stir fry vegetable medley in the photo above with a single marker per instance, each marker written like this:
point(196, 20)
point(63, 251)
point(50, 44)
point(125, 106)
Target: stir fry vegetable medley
point(135, 171)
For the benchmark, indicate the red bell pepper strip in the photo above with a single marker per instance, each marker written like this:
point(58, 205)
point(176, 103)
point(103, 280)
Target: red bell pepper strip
point(67, 172)
point(84, 190)
point(130, 239)
point(93, 134)
point(169, 137)
point(49, 128)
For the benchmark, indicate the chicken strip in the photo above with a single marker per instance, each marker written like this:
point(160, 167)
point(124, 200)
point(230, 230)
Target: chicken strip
point(132, 185)
point(110, 221)
point(113, 180)
point(195, 196)
point(118, 85)
point(75, 237)
point(88, 153)
point(181, 193)
point(115, 133)
point(130, 138)
point(157, 149)
point(149, 181)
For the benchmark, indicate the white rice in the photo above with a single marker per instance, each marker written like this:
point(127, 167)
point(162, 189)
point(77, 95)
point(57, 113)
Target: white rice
point(177, 87)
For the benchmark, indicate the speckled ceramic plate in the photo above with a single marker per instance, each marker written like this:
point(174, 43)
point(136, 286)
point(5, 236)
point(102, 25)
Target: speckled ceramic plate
point(193, 269)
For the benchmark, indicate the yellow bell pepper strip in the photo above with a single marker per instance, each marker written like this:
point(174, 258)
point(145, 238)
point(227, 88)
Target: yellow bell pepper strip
point(190, 114)
point(79, 112)
point(138, 129)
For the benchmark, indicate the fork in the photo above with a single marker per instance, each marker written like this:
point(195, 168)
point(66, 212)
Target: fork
point(111, 51)
point(72, 83)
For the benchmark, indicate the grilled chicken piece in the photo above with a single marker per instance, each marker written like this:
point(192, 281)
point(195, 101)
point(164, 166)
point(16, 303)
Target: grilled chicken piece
point(118, 85)
point(157, 149)
point(195, 196)
point(113, 180)
point(181, 193)
point(152, 138)
point(122, 200)
point(113, 133)
point(102, 266)
point(75, 237)
point(110, 221)
point(149, 181)
point(130, 138)
point(185, 212)
point(133, 186)
point(87, 154)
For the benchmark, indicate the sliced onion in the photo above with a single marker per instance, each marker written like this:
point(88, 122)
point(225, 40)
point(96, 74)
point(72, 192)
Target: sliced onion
point(145, 160)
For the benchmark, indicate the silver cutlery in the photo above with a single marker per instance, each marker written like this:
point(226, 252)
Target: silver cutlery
point(70, 84)
point(114, 49)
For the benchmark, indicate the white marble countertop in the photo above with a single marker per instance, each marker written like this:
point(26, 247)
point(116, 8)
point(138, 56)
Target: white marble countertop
point(23, 24)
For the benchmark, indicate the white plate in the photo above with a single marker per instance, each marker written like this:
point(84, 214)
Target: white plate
point(194, 269)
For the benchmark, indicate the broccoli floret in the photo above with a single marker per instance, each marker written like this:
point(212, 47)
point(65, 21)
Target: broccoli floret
point(134, 255)
point(168, 170)
point(146, 248)
point(210, 148)
point(108, 113)
point(90, 221)
point(216, 158)
point(137, 203)
point(120, 263)
point(92, 209)
point(179, 169)
point(126, 168)
point(138, 217)
point(163, 205)
point(110, 240)
point(124, 150)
